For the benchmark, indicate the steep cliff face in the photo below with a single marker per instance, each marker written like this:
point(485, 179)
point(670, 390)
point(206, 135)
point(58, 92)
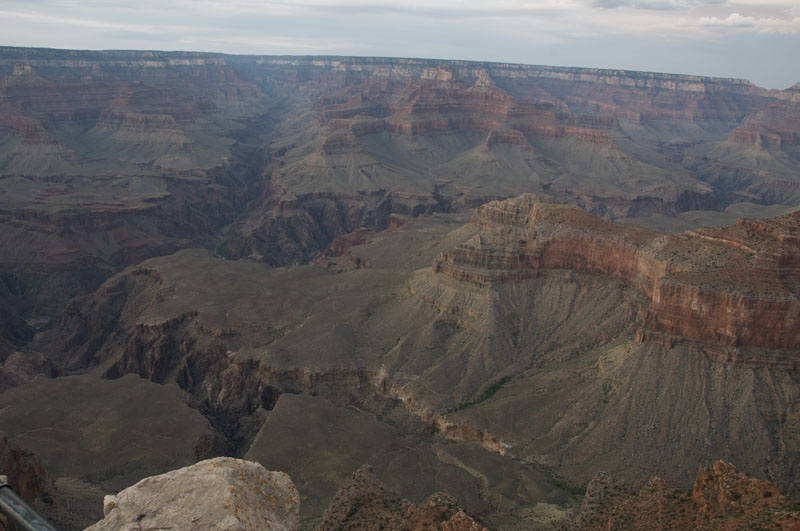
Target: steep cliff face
point(693, 331)
point(733, 287)
point(297, 228)
point(774, 126)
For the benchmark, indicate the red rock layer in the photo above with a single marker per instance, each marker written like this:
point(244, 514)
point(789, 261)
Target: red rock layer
point(437, 104)
point(775, 125)
point(733, 287)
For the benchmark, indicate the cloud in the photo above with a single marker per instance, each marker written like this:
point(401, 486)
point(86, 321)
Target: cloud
point(758, 24)
point(655, 5)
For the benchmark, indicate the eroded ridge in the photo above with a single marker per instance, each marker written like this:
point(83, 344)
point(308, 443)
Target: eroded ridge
point(731, 287)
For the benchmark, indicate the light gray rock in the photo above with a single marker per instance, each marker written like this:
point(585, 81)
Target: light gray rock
point(219, 494)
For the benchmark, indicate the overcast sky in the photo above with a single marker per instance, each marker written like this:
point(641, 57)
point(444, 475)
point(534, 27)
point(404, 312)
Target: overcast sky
point(754, 39)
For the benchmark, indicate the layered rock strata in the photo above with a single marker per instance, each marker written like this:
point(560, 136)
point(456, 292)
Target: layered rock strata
point(730, 287)
point(139, 147)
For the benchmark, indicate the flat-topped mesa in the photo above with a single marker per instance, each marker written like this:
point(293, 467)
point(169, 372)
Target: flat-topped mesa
point(507, 136)
point(732, 287)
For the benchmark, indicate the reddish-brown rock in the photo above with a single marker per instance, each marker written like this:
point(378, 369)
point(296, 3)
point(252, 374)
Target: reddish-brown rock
point(366, 503)
point(722, 499)
point(730, 287)
point(26, 474)
point(775, 125)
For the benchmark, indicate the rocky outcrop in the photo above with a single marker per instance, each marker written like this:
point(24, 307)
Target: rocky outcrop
point(338, 254)
point(731, 287)
point(26, 475)
point(771, 127)
point(139, 124)
point(722, 498)
point(19, 367)
point(296, 229)
point(366, 504)
point(220, 493)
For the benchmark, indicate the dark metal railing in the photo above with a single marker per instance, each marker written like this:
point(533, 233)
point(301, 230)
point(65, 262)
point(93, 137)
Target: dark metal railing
point(19, 512)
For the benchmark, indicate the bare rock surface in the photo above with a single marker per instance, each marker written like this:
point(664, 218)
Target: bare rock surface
point(722, 498)
point(220, 493)
point(365, 503)
point(736, 284)
point(26, 474)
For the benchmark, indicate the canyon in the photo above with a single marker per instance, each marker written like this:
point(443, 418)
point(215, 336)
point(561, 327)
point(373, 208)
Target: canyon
point(489, 280)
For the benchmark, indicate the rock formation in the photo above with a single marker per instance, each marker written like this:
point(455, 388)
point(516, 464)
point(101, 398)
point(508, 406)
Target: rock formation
point(365, 503)
point(715, 285)
point(722, 498)
point(26, 475)
point(150, 152)
point(220, 493)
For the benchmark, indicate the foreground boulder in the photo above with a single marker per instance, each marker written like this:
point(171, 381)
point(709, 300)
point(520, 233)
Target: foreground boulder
point(220, 493)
